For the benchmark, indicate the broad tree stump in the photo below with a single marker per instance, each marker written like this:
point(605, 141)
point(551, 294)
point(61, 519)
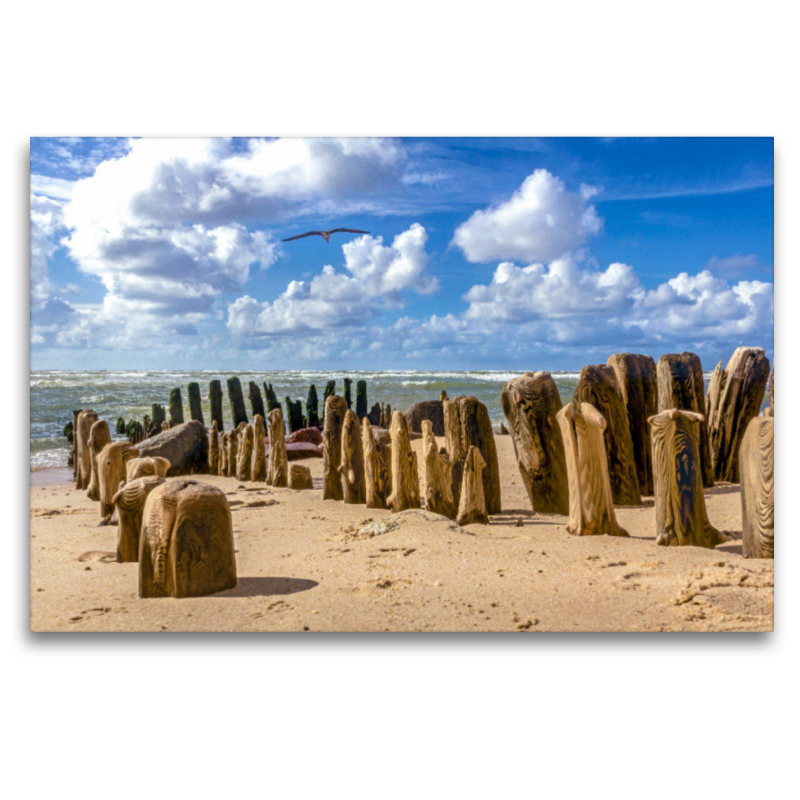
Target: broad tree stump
point(680, 385)
point(129, 502)
point(377, 467)
point(244, 458)
point(82, 433)
point(439, 495)
point(757, 474)
point(256, 401)
point(472, 504)
point(186, 547)
point(300, 477)
point(333, 419)
point(146, 467)
point(405, 477)
point(294, 410)
point(236, 399)
point(352, 469)
point(312, 408)
point(681, 517)
point(175, 407)
point(99, 437)
point(213, 449)
point(278, 465)
point(215, 399)
point(530, 404)
point(738, 400)
point(361, 399)
point(232, 453)
point(111, 471)
point(598, 387)
point(258, 465)
point(591, 504)
point(195, 406)
point(638, 385)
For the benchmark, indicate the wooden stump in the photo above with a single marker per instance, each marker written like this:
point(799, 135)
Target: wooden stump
point(361, 399)
point(598, 387)
point(232, 453)
point(129, 502)
point(374, 414)
point(278, 466)
point(186, 547)
point(681, 517)
point(312, 407)
point(439, 495)
point(300, 477)
point(352, 470)
point(294, 410)
point(215, 400)
point(159, 415)
point(245, 457)
point(272, 398)
point(591, 504)
point(213, 449)
point(258, 466)
point(681, 386)
point(405, 477)
point(146, 467)
point(82, 434)
point(638, 385)
point(223, 455)
point(195, 406)
point(111, 471)
point(757, 474)
point(335, 410)
point(236, 399)
point(74, 455)
point(348, 398)
point(530, 404)
point(120, 425)
point(738, 400)
point(472, 504)
point(175, 407)
point(377, 467)
point(99, 437)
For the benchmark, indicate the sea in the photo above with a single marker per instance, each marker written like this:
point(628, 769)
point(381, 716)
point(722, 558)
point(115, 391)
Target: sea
point(114, 394)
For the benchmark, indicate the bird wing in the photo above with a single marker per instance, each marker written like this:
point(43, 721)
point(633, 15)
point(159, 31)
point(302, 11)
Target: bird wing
point(303, 235)
point(346, 230)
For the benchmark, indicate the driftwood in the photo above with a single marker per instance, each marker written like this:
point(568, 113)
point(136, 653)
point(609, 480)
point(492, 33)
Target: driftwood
point(111, 471)
point(757, 474)
point(681, 517)
point(236, 399)
point(531, 404)
point(472, 505)
point(591, 504)
point(175, 407)
point(258, 465)
point(195, 406)
point(300, 477)
point(312, 408)
point(215, 400)
point(354, 488)
point(278, 466)
point(186, 547)
point(335, 410)
point(638, 385)
point(440, 497)
point(256, 401)
point(82, 433)
point(405, 476)
point(244, 458)
point(99, 437)
point(129, 502)
point(598, 387)
point(680, 385)
point(146, 467)
point(213, 449)
point(377, 467)
point(735, 401)
point(361, 400)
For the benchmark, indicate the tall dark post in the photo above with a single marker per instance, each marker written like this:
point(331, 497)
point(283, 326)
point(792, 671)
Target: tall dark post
point(215, 398)
point(294, 410)
point(237, 401)
point(347, 396)
point(175, 407)
point(361, 399)
point(272, 398)
point(330, 389)
point(195, 408)
point(159, 416)
point(312, 407)
point(120, 425)
point(256, 403)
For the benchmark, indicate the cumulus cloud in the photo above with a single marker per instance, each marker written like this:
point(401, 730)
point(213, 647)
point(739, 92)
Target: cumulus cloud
point(540, 222)
point(375, 278)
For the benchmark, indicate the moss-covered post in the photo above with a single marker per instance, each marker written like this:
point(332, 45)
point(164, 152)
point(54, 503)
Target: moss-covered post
point(237, 401)
point(195, 408)
point(272, 398)
point(361, 399)
point(330, 390)
point(175, 407)
point(312, 408)
point(215, 398)
point(256, 402)
point(159, 415)
point(120, 425)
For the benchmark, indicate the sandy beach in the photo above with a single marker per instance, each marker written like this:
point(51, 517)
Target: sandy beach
point(308, 564)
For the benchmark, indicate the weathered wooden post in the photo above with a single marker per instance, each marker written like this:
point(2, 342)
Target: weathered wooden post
point(258, 467)
point(598, 387)
point(82, 434)
point(129, 502)
point(223, 455)
point(347, 396)
point(272, 398)
point(439, 495)
point(215, 398)
point(236, 399)
point(195, 406)
point(374, 415)
point(245, 456)
point(99, 437)
point(472, 505)
point(120, 425)
point(159, 415)
point(256, 402)
point(377, 467)
point(361, 399)
point(213, 449)
point(294, 411)
point(175, 407)
point(232, 454)
point(335, 410)
point(476, 429)
point(681, 517)
point(312, 407)
point(300, 477)
point(278, 465)
point(354, 488)
point(405, 476)
point(757, 474)
point(638, 384)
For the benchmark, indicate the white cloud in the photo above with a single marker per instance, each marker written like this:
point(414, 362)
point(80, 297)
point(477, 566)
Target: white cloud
point(376, 277)
point(54, 188)
point(540, 222)
point(47, 219)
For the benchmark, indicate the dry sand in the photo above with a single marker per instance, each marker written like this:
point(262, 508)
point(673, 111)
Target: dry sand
point(308, 564)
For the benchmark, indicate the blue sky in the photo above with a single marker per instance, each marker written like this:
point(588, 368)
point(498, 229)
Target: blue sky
point(482, 253)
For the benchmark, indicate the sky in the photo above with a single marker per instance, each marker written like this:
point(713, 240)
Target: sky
point(507, 254)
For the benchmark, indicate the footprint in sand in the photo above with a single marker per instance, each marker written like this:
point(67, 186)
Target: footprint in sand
point(98, 555)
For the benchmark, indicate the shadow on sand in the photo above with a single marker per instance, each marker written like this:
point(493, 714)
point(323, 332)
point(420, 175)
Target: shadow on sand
point(267, 587)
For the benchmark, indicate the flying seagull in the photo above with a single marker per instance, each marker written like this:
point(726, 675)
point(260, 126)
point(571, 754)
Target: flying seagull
point(326, 235)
